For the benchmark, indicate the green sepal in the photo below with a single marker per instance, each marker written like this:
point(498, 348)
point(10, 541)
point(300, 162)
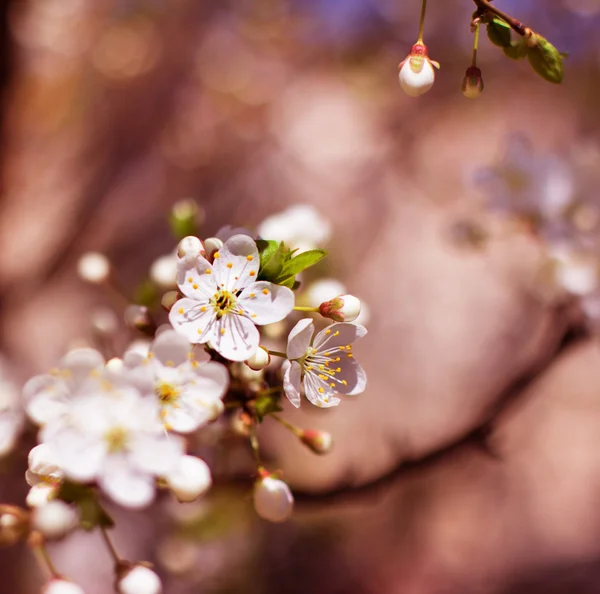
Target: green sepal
point(498, 32)
point(545, 59)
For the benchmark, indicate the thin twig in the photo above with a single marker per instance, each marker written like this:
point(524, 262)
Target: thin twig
point(516, 25)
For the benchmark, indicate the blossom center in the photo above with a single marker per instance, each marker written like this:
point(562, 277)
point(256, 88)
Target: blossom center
point(223, 302)
point(116, 438)
point(167, 393)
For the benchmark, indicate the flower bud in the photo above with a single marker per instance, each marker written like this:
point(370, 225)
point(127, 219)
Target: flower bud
point(190, 479)
point(320, 442)
point(190, 248)
point(58, 586)
point(138, 579)
point(42, 463)
point(344, 308)
point(138, 317)
point(93, 267)
point(212, 244)
point(416, 74)
point(472, 85)
point(273, 500)
point(55, 519)
point(184, 218)
point(163, 272)
point(14, 524)
point(259, 360)
point(169, 299)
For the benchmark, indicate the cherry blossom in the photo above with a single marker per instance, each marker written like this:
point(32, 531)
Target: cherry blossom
point(325, 365)
point(223, 301)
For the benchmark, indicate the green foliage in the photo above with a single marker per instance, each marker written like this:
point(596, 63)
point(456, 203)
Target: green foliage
point(516, 50)
point(498, 32)
point(91, 513)
point(266, 404)
point(279, 265)
point(545, 59)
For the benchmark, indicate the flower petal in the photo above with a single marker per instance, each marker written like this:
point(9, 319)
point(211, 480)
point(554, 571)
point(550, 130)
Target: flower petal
point(156, 454)
point(236, 263)
point(266, 303)
point(126, 485)
point(338, 334)
point(196, 280)
point(319, 392)
point(291, 382)
point(79, 455)
point(352, 374)
point(211, 378)
point(171, 348)
point(187, 317)
point(235, 337)
point(80, 363)
point(299, 338)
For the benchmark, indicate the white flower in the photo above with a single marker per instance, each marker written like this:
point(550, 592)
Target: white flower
point(325, 365)
point(139, 579)
point(93, 267)
point(300, 226)
point(49, 396)
point(189, 392)
point(11, 416)
point(416, 74)
point(273, 499)
point(189, 479)
point(223, 301)
point(58, 586)
point(117, 439)
point(55, 519)
point(44, 476)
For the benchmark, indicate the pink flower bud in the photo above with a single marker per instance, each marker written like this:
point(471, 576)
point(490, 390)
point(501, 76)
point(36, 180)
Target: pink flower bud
point(320, 442)
point(472, 85)
point(344, 308)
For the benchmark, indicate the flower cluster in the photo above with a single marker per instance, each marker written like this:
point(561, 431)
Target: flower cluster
point(123, 427)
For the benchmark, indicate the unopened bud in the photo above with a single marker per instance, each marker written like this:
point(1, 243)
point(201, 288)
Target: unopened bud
point(190, 248)
point(58, 586)
point(190, 479)
point(55, 519)
point(163, 271)
point(320, 442)
point(184, 218)
point(93, 267)
point(169, 299)
point(417, 73)
point(545, 59)
point(212, 244)
point(344, 308)
point(138, 579)
point(472, 85)
point(138, 317)
point(259, 360)
point(273, 500)
point(14, 524)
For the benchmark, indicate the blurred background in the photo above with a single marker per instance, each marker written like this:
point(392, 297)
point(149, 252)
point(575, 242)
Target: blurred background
point(470, 465)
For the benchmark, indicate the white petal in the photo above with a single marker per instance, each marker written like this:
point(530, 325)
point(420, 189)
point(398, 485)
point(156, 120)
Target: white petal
point(156, 455)
point(338, 334)
point(319, 392)
point(190, 321)
point(299, 338)
point(126, 485)
point(47, 406)
point(235, 338)
point(40, 494)
point(80, 363)
point(80, 456)
point(169, 347)
point(266, 303)
point(236, 263)
point(58, 586)
point(353, 374)
point(196, 281)
point(211, 378)
point(291, 382)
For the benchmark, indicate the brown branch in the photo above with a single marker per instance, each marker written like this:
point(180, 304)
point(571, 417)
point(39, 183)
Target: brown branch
point(484, 6)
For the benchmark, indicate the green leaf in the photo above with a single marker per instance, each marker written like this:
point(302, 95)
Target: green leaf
point(545, 59)
point(271, 259)
point(266, 404)
point(498, 32)
point(299, 263)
